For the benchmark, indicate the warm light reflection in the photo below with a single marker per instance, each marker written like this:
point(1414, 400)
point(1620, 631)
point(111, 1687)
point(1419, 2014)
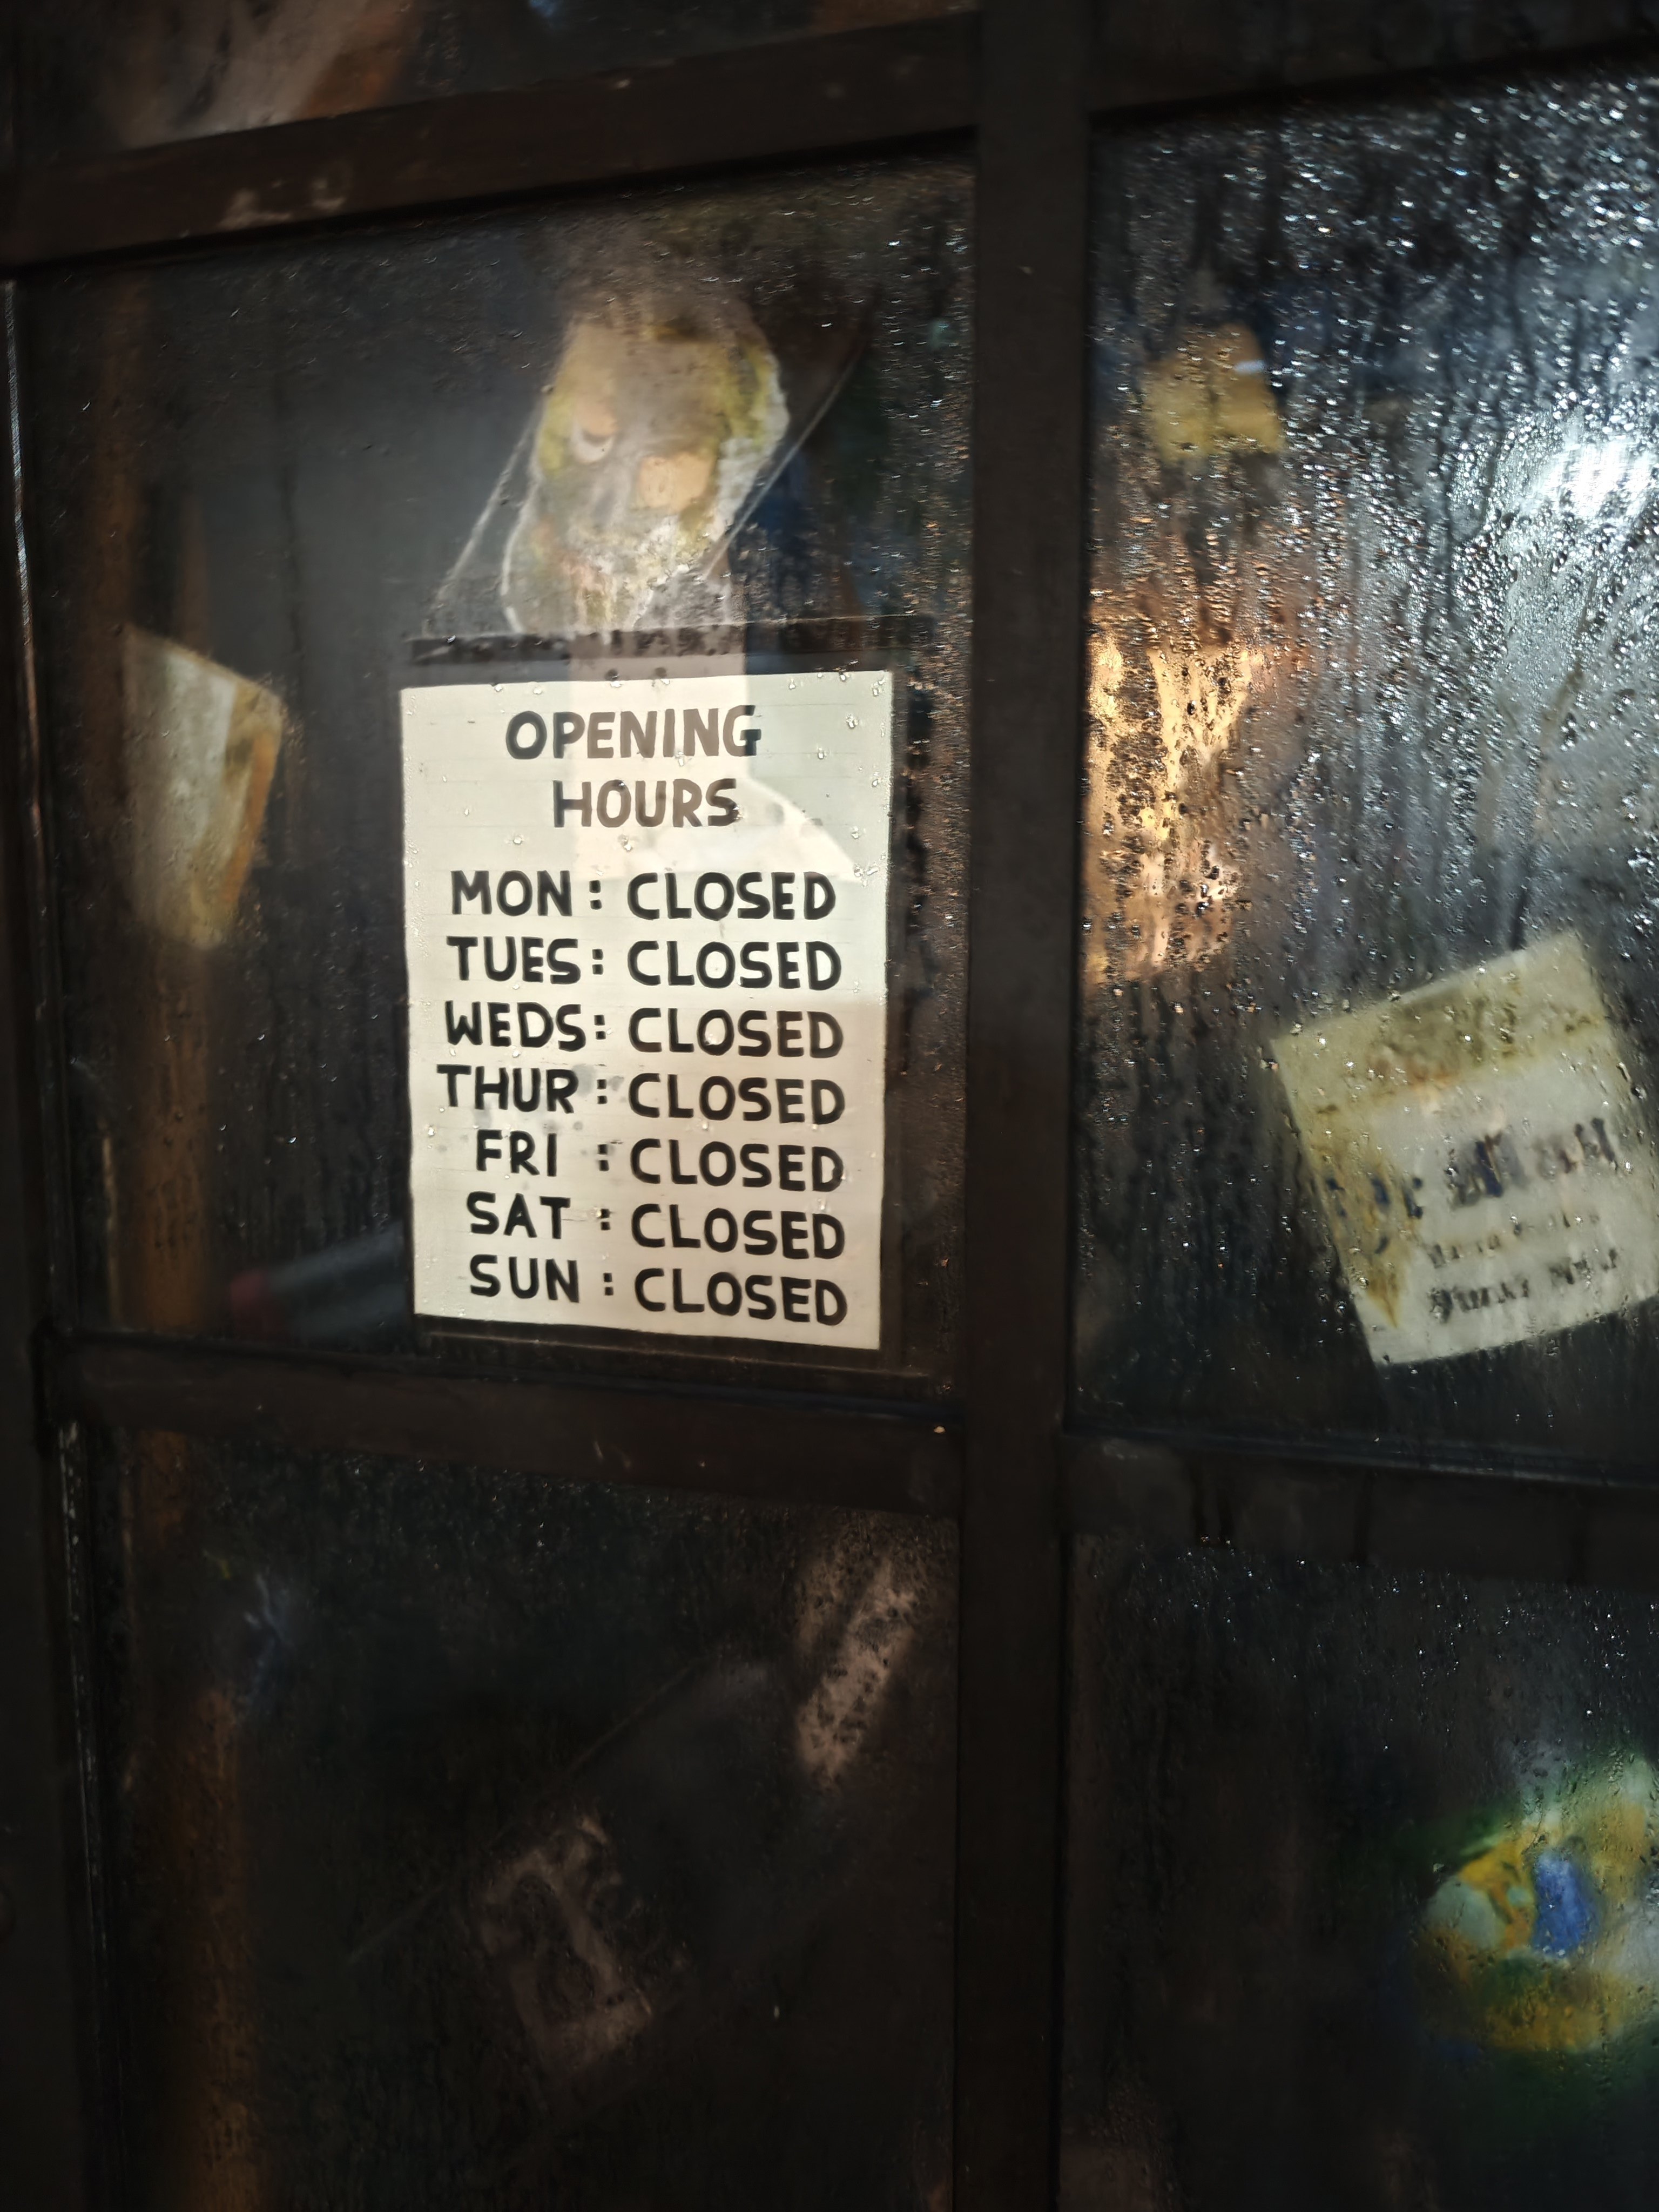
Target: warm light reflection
point(1585, 473)
point(1160, 743)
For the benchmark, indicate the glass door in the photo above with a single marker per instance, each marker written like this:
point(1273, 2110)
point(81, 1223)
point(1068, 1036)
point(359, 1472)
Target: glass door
point(832, 1195)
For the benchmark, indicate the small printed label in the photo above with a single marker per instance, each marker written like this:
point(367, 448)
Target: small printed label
point(1483, 1163)
point(646, 923)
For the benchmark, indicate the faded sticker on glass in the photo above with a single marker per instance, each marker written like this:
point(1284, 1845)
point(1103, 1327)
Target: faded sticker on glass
point(646, 923)
point(1483, 1163)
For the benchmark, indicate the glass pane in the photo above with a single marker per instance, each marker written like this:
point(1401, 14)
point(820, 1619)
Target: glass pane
point(480, 1842)
point(1360, 1896)
point(275, 486)
point(98, 75)
point(1369, 1004)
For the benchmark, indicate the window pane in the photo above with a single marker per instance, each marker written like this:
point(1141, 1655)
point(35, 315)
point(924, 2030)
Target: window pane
point(478, 1842)
point(275, 487)
point(1360, 1897)
point(1369, 1007)
point(97, 76)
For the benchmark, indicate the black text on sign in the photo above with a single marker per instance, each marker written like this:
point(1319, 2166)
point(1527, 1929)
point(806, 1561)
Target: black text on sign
point(647, 932)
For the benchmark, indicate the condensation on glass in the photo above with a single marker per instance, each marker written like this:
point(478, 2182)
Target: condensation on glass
point(275, 482)
point(1367, 1140)
point(476, 1841)
point(1361, 1905)
point(97, 76)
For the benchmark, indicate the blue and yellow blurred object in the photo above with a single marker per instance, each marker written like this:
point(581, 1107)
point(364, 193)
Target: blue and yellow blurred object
point(1546, 1939)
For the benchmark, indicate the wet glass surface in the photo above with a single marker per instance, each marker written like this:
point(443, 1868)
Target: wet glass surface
point(97, 76)
point(478, 1841)
point(1362, 1895)
point(1372, 815)
point(273, 484)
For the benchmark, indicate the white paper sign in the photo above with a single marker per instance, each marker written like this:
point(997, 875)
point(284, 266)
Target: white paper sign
point(646, 923)
point(1485, 1168)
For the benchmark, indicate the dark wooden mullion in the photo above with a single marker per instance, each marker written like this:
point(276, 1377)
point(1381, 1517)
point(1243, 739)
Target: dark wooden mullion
point(824, 94)
point(1028, 657)
point(1146, 72)
point(789, 1447)
point(832, 93)
point(47, 2043)
point(1439, 1512)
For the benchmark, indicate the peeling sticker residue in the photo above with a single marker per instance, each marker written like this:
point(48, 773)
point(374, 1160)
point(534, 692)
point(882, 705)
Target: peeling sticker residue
point(323, 195)
point(1211, 395)
point(203, 746)
point(1483, 1165)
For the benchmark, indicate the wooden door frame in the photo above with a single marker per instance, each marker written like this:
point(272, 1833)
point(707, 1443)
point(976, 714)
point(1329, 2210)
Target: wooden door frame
point(1023, 83)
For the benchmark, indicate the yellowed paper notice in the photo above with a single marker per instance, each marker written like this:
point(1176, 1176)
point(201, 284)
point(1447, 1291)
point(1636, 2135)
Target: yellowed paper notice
point(1483, 1161)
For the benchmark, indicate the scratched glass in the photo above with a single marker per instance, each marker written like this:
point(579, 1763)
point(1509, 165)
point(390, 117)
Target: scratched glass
point(96, 75)
point(274, 487)
point(1374, 1923)
point(476, 1841)
point(1367, 1142)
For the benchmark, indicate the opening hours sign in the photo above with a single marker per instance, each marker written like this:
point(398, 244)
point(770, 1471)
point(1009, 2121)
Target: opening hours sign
point(645, 923)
